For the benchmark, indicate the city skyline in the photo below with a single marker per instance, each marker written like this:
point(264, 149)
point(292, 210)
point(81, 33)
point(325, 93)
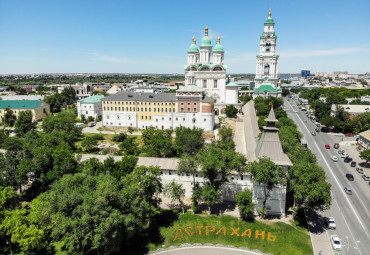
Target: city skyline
point(126, 37)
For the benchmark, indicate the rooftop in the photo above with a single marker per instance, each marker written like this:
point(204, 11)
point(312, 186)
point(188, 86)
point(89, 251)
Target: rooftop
point(19, 104)
point(92, 99)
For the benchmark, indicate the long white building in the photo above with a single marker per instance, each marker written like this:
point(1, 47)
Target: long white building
point(188, 107)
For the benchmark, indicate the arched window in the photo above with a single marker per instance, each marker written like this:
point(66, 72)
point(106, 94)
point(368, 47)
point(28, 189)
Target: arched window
point(267, 69)
point(268, 47)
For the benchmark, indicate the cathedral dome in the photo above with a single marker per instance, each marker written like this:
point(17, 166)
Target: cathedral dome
point(218, 47)
point(193, 48)
point(206, 41)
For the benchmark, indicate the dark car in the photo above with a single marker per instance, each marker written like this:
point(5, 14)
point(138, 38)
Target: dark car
point(317, 129)
point(347, 159)
point(336, 145)
point(349, 177)
point(359, 170)
point(353, 164)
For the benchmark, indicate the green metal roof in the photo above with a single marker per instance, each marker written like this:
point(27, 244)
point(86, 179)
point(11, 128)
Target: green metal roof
point(264, 88)
point(193, 48)
point(218, 47)
point(19, 104)
point(232, 84)
point(269, 20)
point(92, 99)
point(206, 41)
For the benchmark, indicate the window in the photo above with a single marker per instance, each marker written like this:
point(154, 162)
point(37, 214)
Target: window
point(104, 108)
point(162, 118)
point(188, 109)
point(205, 120)
point(204, 84)
point(215, 84)
point(87, 112)
point(156, 120)
point(183, 119)
point(115, 108)
point(268, 47)
point(194, 120)
point(146, 117)
point(129, 118)
point(169, 118)
point(182, 103)
point(195, 109)
point(267, 69)
point(111, 108)
point(107, 117)
point(118, 117)
point(154, 109)
point(182, 109)
point(176, 119)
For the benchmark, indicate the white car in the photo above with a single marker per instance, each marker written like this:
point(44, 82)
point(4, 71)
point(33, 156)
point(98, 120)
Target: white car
point(334, 158)
point(345, 154)
point(335, 242)
point(330, 223)
point(295, 111)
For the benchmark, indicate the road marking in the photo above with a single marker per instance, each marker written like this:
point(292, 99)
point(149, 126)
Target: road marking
point(336, 180)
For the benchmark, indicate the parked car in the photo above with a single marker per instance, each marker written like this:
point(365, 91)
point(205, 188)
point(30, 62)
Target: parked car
point(349, 134)
point(313, 133)
point(345, 155)
point(327, 146)
point(366, 177)
point(353, 164)
point(340, 151)
point(334, 158)
point(317, 129)
point(338, 134)
point(359, 170)
point(349, 177)
point(330, 223)
point(348, 190)
point(336, 145)
point(335, 242)
point(347, 160)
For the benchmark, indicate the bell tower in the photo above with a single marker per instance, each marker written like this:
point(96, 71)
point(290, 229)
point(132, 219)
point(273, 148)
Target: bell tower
point(267, 61)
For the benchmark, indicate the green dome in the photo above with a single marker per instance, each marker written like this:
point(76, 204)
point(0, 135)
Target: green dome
point(193, 48)
point(218, 47)
point(206, 41)
point(269, 20)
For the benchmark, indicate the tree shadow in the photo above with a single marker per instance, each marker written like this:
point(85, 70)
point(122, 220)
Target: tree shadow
point(221, 208)
point(314, 221)
point(139, 243)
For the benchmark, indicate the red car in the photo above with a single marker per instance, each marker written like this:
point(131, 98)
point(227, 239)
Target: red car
point(349, 134)
point(327, 146)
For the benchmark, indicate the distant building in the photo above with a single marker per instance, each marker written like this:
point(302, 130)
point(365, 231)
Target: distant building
point(86, 89)
point(305, 73)
point(353, 109)
point(39, 108)
point(188, 107)
point(90, 106)
point(23, 97)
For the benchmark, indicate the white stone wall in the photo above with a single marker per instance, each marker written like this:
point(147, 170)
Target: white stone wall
point(231, 95)
point(165, 121)
point(89, 109)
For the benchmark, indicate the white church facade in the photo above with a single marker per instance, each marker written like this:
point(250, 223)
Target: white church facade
point(207, 64)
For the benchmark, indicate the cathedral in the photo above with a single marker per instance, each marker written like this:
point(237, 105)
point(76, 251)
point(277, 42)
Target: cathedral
point(266, 80)
point(206, 63)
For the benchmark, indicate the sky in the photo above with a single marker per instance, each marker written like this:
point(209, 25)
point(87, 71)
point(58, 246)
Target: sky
point(153, 36)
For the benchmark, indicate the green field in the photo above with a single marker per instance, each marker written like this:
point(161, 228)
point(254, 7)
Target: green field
point(283, 239)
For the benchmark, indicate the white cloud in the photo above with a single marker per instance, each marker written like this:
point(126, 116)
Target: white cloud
point(109, 58)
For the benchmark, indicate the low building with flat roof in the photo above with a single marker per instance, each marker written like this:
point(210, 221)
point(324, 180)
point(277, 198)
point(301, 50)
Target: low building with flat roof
point(90, 106)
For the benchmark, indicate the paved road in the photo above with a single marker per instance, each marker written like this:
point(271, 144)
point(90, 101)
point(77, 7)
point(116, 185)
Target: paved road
point(351, 213)
point(207, 251)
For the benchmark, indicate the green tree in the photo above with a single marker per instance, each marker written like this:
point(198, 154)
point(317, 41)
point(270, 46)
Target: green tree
point(268, 174)
point(188, 141)
point(190, 166)
point(3, 135)
point(157, 143)
point(129, 146)
point(245, 204)
point(226, 142)
point(89, 143)
point(211, 195)
point(365, 155)
point(308, 182)
point(119, 137)
point(280, 113)
point(24, 123)
point(9, 117)
point(231, 111)
point(176, 192)
point(285, 92)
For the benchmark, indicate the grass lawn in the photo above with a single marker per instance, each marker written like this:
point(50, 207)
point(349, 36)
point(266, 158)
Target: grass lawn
point(191, 228)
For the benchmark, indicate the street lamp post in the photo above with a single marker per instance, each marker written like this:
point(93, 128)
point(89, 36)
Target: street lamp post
point(10, 245)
